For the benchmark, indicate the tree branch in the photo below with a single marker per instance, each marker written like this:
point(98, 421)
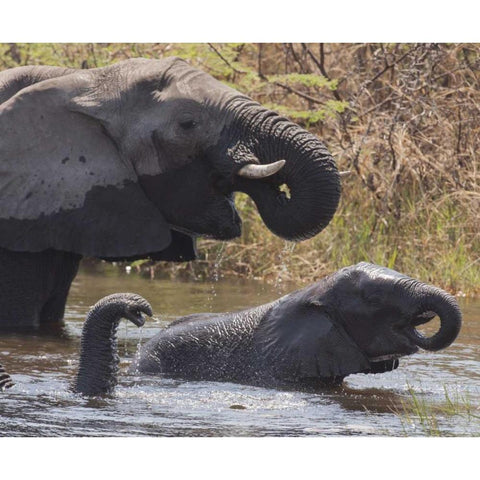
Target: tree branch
point(320, 66)
point(298, 92)
point(224, 59)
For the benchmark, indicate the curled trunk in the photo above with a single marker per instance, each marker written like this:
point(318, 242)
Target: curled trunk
point(299, 200)
point(434, 300)
point(98, 368)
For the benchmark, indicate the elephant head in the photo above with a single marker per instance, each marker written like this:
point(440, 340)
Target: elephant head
point(140, 157)
point(98, 367)
point(360, 319)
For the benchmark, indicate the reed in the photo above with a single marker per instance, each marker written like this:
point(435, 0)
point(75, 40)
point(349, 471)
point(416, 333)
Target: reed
point(421, 416)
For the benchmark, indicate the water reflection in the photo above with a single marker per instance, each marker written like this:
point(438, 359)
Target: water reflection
point(44, 364)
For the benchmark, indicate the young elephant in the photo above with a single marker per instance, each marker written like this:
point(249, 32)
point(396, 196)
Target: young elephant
point(360, 319)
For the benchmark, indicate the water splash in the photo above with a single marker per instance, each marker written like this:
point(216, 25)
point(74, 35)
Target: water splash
point(218, 261)
point(125, 349)
point(140, 339)
point(139, 345)
point(215, 276)
point(285, 259)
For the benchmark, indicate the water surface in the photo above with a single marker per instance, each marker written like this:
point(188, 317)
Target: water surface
point(43, 365)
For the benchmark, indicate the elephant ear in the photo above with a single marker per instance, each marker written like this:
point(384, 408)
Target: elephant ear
point(301, 341)
point(63, 183)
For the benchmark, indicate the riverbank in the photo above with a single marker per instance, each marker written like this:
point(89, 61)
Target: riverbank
point(403, 118)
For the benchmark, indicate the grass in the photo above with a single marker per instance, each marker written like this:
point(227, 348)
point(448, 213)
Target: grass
point(423, 417)
point(432, 244)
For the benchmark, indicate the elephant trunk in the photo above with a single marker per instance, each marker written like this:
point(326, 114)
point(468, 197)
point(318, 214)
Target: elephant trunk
point(5, 380)
point(309, 175)
point(434, 300)
point(98, 367)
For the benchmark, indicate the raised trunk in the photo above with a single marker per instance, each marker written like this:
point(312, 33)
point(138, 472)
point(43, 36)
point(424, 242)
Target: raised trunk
point(433, 299)
point(310, 175)
point(98, 368)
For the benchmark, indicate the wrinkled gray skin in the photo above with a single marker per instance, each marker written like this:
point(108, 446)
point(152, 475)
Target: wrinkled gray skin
point(136, 160)
point(360, 319)
point(98, 367)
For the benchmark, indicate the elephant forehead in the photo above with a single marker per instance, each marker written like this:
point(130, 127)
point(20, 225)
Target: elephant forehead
point(377, 272)
point(200, 86)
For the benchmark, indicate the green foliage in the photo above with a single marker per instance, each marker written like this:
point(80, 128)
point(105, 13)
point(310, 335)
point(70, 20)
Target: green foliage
point(305, 79)
point(312, 116)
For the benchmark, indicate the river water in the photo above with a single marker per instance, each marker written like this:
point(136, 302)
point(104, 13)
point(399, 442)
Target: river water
point(43, 365)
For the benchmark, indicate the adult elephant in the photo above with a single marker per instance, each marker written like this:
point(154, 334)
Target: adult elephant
point(135, 160)
point(361, 319)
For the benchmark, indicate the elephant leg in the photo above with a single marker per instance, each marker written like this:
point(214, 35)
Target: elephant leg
point(34, 287)
point(66, 269)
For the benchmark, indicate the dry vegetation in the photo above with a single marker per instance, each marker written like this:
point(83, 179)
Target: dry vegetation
point(404, 118)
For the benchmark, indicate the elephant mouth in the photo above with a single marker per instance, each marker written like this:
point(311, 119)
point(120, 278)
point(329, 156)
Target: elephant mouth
point(384, 363)
point(218, 219)
point(385, 358)
point(389, 362)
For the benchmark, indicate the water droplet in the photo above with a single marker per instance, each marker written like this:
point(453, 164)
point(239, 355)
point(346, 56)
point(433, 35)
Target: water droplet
point(215, 275)
point(125, 339)
point(285, 259)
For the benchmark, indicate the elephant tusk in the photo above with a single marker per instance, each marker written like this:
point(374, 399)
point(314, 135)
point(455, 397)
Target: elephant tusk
point(345, 173)
point(255, 171)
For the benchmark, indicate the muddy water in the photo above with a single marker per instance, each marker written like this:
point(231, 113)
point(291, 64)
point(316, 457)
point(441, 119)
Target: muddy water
point(43, 366)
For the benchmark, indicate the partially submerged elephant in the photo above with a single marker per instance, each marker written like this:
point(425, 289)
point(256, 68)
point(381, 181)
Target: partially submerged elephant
point(361, 319)
point(136, 160)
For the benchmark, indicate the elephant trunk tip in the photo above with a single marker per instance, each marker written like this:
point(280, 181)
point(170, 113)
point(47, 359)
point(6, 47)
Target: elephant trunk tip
point(437, 302)
point(98, 367)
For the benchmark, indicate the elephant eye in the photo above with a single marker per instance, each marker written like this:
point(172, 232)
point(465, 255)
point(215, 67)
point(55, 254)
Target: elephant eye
point(188, 124)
